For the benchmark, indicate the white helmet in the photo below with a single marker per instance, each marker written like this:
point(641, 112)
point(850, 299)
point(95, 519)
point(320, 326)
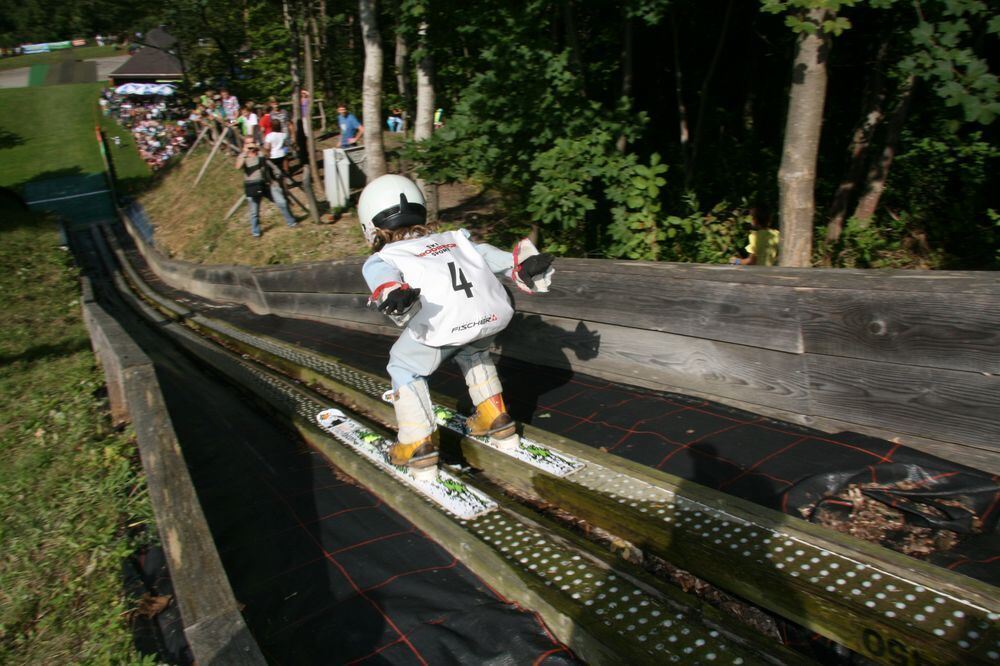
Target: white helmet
point(390, 202)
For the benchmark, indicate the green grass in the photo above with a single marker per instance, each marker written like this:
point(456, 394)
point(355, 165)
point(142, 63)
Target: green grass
point(49, 132)
point(79, 53)
point(69, 484)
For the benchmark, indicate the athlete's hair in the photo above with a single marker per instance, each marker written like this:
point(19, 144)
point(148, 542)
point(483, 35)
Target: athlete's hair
point(385, 236)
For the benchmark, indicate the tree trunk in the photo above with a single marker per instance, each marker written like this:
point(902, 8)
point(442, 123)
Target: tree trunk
point(879, 171)
point(627, 73)
point(371, 90)
point(699, 125)
point(684, 134)
point(424, 126)
point(309, 169)
point(316, 41)
point(402, 63)
point(797, 174)
point(873, 113)
point(573, 42)
point(291, 25)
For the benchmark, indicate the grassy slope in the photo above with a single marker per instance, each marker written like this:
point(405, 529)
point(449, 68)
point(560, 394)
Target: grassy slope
point(68, 483)
point(189, 221)
point(49, 131)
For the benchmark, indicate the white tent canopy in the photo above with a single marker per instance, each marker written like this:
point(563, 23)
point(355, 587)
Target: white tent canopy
point(145, 89)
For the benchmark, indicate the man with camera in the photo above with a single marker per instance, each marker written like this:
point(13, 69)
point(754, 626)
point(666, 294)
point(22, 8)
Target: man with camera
point(261, 179)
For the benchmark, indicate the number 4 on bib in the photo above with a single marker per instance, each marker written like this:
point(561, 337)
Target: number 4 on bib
point(456, 275)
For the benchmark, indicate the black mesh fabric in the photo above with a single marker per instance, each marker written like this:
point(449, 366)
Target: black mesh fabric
point(776, 464)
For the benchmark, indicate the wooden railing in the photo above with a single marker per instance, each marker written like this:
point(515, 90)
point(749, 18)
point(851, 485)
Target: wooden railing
point(909, 355)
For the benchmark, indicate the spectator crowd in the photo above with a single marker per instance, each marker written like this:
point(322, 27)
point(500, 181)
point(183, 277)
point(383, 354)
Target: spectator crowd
point(158, 124)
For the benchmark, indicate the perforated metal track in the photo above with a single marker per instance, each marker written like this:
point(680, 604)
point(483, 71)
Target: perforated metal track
point(640, 618)
point(345, 375)
point(665, 633)
point(935, 612)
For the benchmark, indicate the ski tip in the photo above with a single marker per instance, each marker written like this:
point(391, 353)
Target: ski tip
point(330, 417)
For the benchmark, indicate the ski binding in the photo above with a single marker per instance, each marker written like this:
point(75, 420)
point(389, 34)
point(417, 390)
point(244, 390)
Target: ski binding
point(453, 495)
point(526, 450)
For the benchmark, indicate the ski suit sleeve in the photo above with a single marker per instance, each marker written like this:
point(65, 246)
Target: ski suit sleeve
point(499, 261)
point(378, 272)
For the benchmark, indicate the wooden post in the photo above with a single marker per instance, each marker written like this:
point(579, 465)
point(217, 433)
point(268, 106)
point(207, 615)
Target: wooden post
point(313, 170)
point(201, 135)
point(208, 160)
point(290, 197)
point(235, 206)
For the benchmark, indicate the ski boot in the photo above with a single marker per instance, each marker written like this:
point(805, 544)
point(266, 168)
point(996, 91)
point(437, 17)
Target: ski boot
point(491, 419)
point(421, 457)
point(416, 446)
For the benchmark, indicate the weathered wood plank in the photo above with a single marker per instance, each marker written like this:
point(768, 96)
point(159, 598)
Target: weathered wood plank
point(935, 330)
point(332, 277)
point(950, 405)
point(748, 374)
point(212, 623)
point(764, 317)
point(718, 332)
point(979, 282)
point(346, 307)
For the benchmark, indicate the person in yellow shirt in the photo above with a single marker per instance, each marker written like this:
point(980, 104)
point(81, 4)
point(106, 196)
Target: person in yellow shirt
point(762, 249)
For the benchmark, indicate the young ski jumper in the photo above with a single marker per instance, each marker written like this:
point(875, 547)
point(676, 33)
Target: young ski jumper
point(443, 289)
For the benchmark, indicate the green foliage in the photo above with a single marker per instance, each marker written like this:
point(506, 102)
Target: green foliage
point(265, 70)
point(867, 245)
point(536, 108)
point(649, 11)
point(637, 229)
point(562, 196)
point(710, 238)
point(58, 20)
point(799, 22)
point(547, 148)
point(940, 180)
point(210, 35)
point(994, 218)
point(945, 55)
point(71, 493)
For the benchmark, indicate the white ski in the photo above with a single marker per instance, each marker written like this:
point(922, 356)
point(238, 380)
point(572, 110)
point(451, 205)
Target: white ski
point(451, 494)
point(526, 450)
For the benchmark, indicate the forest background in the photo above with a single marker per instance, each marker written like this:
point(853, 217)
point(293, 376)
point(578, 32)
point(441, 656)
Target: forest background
point(641, 129)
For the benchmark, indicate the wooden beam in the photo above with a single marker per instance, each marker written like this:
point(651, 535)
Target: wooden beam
point(194, 145)
point(929, 329)
point(236, 205)
point(211, 155)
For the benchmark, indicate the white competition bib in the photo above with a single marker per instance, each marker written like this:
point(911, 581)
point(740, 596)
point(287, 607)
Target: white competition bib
point(460, 298)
